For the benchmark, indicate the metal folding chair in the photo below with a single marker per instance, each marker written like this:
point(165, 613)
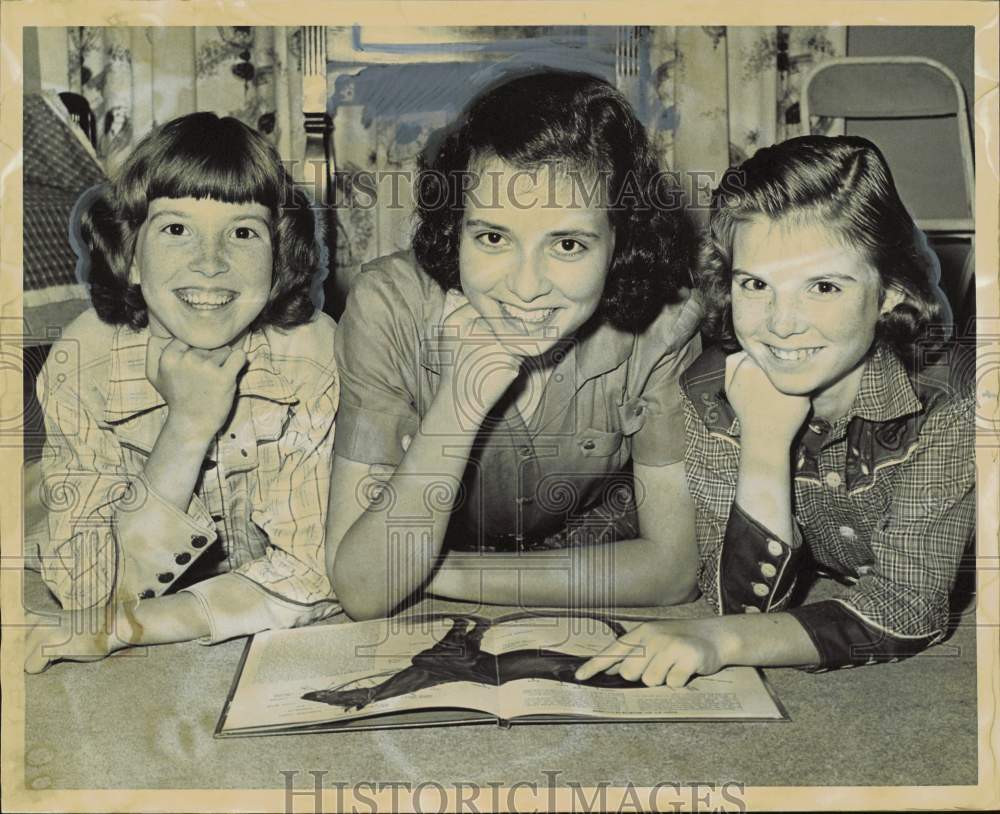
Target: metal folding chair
point(901, 103)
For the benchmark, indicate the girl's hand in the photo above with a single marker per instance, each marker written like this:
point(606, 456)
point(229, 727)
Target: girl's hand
point(82, 635)
point(760, 406)
point(662, 652)
point(198, 385)
point(481, 367)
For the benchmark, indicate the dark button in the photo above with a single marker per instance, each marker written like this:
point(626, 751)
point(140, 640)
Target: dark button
point(232, 435)
point(165, 577)
point(183, 558)
point(525, 452)
point(217, 518)
point(207, 465)
point(639, 410)
point(149, 593)
point(589, 444)
point(243, 452)
point(198, 541)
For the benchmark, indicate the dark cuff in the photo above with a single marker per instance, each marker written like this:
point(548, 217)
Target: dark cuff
point(843, 640)
point(757, 570)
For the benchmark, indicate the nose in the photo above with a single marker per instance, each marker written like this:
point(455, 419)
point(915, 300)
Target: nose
point(210, 257)
point(784, 316)
point(527, 279)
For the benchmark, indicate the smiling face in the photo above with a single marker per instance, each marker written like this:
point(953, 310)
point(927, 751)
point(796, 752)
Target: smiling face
point(805, 309)
point(205, 268)
point(533, 258)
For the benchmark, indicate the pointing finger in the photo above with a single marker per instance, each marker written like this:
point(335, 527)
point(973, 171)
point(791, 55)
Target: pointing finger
point(611, 655)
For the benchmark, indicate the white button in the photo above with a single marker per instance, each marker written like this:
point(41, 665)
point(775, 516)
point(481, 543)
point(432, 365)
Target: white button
point(848, 533)
point(751, 609)
point(774, 548)
point(760, 589)
point(405, 442)
point(768, 570)
point(833, 480)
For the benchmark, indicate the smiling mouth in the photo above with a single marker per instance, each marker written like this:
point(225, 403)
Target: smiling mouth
point(792, 354)
point(530, 317)
point(206, 299)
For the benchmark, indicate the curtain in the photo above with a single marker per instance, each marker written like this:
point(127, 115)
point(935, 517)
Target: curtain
point(135, 78)
point(723, 92)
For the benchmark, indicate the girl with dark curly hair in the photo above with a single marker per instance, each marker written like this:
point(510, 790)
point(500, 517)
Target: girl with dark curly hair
point(508, 384)
point(187, 456)
point(825, 434)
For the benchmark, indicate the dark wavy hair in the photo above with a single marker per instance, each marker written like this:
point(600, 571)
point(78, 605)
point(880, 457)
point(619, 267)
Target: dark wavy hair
point(200, 156)
point(573, 122)
point(843, 183)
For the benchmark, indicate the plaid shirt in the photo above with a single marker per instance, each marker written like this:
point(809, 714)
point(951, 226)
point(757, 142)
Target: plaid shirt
point(884, 497)
point(251, 545)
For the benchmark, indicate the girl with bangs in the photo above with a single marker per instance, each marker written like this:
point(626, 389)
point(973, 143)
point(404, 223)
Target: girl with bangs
point(823, 426)
point(187, 462)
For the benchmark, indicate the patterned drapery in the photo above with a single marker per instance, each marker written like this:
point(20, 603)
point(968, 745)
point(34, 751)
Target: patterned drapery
point(137, 77)
point(722, 92)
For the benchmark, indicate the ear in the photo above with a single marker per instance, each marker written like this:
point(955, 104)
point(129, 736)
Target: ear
point(893, 297)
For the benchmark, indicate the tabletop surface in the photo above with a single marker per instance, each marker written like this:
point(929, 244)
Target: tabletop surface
point(145, 719)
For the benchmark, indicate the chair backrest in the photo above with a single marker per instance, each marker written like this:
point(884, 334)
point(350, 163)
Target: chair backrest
point(914, 109)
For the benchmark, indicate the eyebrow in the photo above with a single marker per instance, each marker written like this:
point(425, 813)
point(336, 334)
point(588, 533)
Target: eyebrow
point(187, 215)
point(475, 223)
point(813, 279)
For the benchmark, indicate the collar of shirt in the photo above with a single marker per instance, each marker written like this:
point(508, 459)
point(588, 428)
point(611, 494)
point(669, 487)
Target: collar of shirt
point(597, 349)
point(885, 393)
point(129, 393)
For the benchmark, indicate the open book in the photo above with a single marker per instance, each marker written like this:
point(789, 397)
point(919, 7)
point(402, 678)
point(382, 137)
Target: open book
point(439, 669)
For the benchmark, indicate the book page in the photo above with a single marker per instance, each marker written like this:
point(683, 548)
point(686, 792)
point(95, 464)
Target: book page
point(335, 673)
point(732, 693)
point(538, 656)
point(581, 635)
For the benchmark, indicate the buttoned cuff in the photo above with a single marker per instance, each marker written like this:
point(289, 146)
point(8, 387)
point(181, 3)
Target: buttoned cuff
point(842, 639)
point(237, 606)
point(159, 541)
point(757, 570)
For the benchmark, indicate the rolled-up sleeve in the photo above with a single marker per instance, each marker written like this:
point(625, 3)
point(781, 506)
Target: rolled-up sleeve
point(288, 586)
point(376, 340)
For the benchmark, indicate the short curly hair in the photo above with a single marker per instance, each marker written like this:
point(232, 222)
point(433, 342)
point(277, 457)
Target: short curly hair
point(200, 156)
point(572, 121)
point(843, 183)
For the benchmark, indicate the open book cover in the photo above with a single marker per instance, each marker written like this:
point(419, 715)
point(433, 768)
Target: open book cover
point(437, 669)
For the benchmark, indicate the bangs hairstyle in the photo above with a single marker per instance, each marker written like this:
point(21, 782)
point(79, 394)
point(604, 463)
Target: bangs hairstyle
point(844, 184)
point(575, 123)
point(201, 156)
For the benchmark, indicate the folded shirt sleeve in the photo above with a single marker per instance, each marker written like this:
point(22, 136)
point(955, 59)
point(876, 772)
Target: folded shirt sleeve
point(378, 360)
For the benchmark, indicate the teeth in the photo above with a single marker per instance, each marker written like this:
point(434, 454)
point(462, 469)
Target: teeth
point(793, 355)
point(205, 300)
point(532, 317)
